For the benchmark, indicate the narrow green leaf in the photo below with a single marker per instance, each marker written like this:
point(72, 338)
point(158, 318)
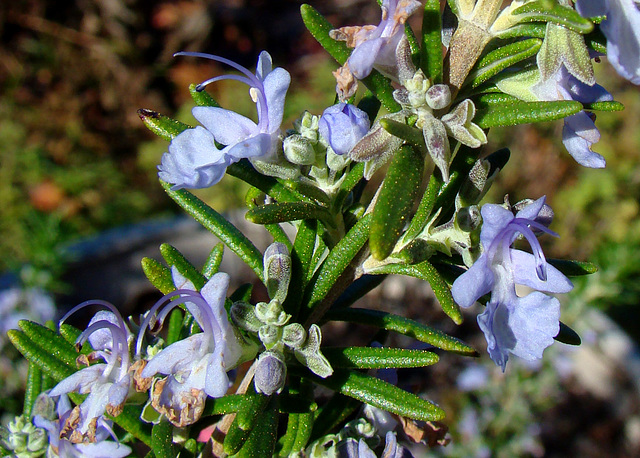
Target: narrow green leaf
point(305, 427)
point(525, 113)
point(380, 394)
point(404, 326)
point(378, 358)
point(357, 290)
point(604, 106)
point(33, 387)
point(319, 27)
point(176, 259)
point(49, 364)
point(499, 59)
point(161, 125)
point(242, 294)
point(336, 262)
point(354, 176)
point(488, 100)
point(425, 271)
point(301, 256)
point(220, 227)
point(50, 341)
point(573, 268)
point(281, 212)
point(175, 326)
point(425, 207)
point(532, 29)
point(262, 440)
point(285, 443)
point(308, 190)
point(596, 41)
point(370, 105)
point(245, 172)
point(567, 335)
point(332, 414)
point(162, 440)
point(544, 11)
point(158, 274)
point(246, 419)
point(401, 130)
point(431, 51)
point(395, 201)
point(71, 334)
point(129, 420)
point(230, 403)
point(202, 98)
point(212, 264)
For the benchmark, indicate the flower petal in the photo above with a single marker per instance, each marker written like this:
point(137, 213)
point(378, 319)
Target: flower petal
point(534, 321)
point(276, 85)
point(494, 219)
point(524, 267)
point(578, 135)
point(474, 283)
point(226, 126)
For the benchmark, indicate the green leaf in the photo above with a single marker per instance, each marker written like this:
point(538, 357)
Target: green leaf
point(158, 274)
point(425, 271)
point(395, 201)
point(370, 105)
point(299, 427)
point(71, 335)
point(262, 440)
point(212, 264)
point(573, 268)
point(401, 130)
point(378, 358)
point(401, 325)
point(220, 227)
point(335, 263)
point(425, 207)
point(308, 190)
point(603, 106)
point(35, 354)
point(176, 259)
point(301, 256)
point(230, 403)
point(567, 335)
point(499, 59)
point(162, 440)
point(320, 28)
point(33, 388)
point(175, 326)
point(489, 100)
point(354, 176)
point(161, 125)
point(202, 98)
point(545, 11)
point(533, 30)
point(129, 420)
point(50, 341)
point(380, 394)
point(245, 420)
point(281, 212)
point(431, 50)
point(245, 172)
point(525, 113)
point(332, 414)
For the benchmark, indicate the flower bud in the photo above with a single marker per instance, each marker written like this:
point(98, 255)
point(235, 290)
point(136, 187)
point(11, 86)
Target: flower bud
point(469, 218)
point(271, 313)
point(294, 335)
point(475, 186)
point(24, 439)
point(270, 374)
point(299, 150)
point(269, 335)
point(243, 316)
point(342, 126)
point(438, 96)
point(277, 271)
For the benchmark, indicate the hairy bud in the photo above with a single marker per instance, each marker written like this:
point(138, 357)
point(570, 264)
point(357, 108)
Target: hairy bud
point(270, 374)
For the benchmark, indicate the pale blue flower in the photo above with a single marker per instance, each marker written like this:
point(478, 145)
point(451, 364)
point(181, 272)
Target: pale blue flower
point(343, 125)
point(523, 326)
point(374, 46)
point(579, 132)
point(23, 304)
point(197, 366)
point(59, 446)
point(193, 159)
point(107, 385)
point(350, 448)
point(622, 29)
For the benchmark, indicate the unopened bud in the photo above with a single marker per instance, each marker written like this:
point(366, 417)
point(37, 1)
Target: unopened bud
point(406, 69)
point(24, 439)
point(342, 126)
point(243, 316)
point(438, 96)
point(474, 187)
point(299, 150)
point(294, 335)
point(269, 335)
point(469, 218)
point(277, 271)
point(437, 142)
point(270, 374)
point(271, 313)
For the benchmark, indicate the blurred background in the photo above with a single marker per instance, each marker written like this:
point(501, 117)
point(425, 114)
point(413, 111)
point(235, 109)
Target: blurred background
point(80, 204)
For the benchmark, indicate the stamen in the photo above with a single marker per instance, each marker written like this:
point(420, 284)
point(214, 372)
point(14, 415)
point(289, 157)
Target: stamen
point(106, 304)
point(541, 261)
